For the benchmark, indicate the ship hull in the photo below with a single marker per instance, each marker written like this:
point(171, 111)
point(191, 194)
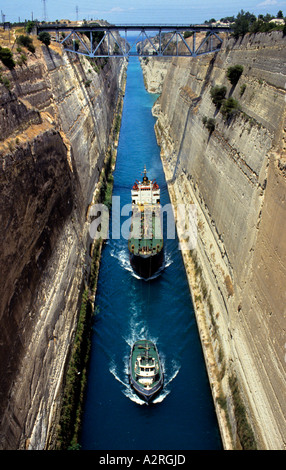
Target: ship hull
point(149, 395)
point(147, 266)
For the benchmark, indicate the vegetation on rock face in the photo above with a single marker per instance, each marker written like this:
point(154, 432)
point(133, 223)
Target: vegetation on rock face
point(233, 73)
point(97, 36)
point(76, 377)
point(44, 37)
point(229, 107)
point(242, 89)
point(6, 56)
point(218, 94)
point(26, 41)
point(209, 123)
point(5, 81)
point(188, 34)
point(244, 430)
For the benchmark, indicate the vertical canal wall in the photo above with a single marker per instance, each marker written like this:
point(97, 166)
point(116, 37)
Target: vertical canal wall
point(235, 175)
point(56, 128)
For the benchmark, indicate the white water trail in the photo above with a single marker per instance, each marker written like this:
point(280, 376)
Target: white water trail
point(175, 371)
point(128, 392)
point(113, 371)
point(123, 258)
point(162, 396)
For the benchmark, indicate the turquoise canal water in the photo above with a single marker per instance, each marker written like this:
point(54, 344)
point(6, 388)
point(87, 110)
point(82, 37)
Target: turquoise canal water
point(182, 417)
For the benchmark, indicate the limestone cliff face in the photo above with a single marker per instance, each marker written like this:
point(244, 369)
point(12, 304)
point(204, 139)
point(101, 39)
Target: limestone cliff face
point(55, 126)
point(154, 73)
point(236, 177)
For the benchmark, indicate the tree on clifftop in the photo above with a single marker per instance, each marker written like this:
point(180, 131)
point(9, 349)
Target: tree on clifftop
point(242, 23)
point(29, 26)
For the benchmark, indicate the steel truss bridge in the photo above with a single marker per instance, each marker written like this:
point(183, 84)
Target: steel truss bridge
point(94, 40)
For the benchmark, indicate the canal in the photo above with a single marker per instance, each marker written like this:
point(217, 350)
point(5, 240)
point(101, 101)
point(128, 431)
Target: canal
point(182, 417)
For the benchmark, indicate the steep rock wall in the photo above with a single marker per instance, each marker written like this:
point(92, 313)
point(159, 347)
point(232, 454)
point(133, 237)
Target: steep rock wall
point(154, 73)
point(55, 131)
point(235, 176)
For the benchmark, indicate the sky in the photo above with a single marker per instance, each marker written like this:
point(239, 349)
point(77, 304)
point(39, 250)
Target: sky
point(134, 11)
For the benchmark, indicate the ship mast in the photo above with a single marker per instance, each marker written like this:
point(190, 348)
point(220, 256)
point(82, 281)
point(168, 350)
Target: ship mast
point(145, 179)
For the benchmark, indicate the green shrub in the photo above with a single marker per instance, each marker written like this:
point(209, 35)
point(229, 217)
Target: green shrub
point(242, 89)
point(233, 73)
point(188, 34)
point(6, 56)
point(5, 81)
point(222, 401)
point(264, 26)
point(117, 124)
point(259, 26)
point(22, 60)
point(229, 107)
point(218, 94)
point(29, 26)
point(45, 38)
point(27, 42)
point(209, 123)
point(244, 430)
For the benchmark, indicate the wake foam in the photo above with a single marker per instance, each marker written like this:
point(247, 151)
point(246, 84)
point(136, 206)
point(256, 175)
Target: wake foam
point(127, 391)
point(123, 258)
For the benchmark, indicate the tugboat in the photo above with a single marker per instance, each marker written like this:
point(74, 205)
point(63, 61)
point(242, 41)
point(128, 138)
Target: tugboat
point(145, 370)
point(145, 243)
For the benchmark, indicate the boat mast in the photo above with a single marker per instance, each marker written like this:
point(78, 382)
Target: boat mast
point(147, 352)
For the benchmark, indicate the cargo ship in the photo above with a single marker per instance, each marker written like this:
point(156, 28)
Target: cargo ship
point(145, 244)
point(145, 370)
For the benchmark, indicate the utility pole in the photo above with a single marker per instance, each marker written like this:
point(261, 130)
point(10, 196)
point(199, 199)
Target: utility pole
point(44, 10)
point(76, 9)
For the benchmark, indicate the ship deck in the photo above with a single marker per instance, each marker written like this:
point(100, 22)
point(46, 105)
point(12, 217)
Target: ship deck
point(139, 350)
point(146, 231)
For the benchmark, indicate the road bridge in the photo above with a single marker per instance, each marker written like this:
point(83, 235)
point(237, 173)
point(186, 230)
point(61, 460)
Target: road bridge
point(124, 40)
